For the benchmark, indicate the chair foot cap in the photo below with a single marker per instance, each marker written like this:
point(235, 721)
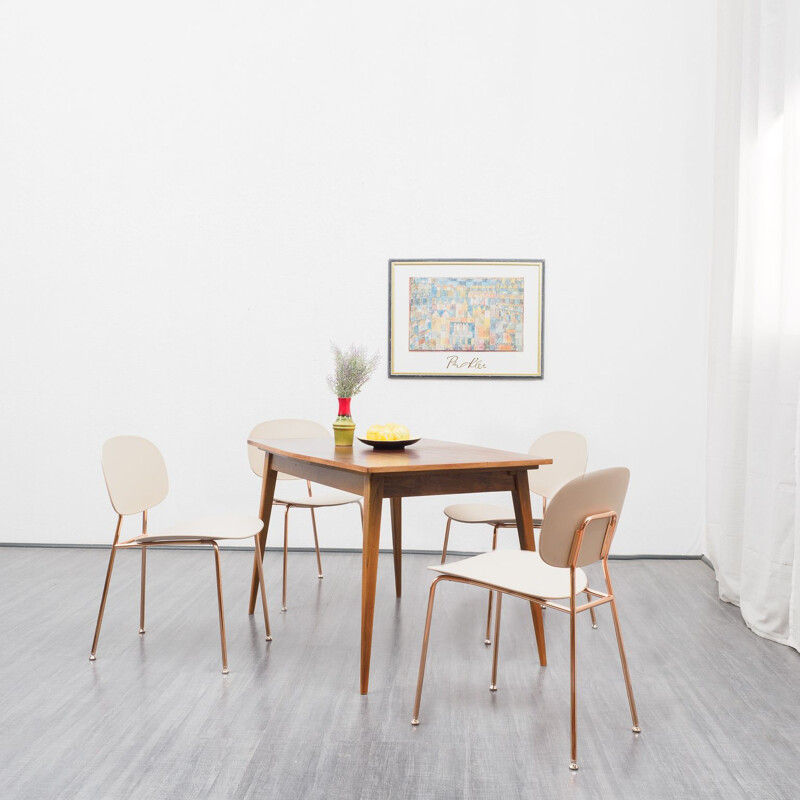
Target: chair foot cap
point(224, 670)
point(487, 642)
point(142, 631)
point(594, 625)
point(492, 687)
point(415, 721)
point(636, 729)
point(283, 608)
point(320, 576)
point(573, 766)
point(92, 657)
point(269, 638)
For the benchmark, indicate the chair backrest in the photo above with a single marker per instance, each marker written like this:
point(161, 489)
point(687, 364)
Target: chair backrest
point(593, 493)
point(281, 429)
point(135, 473)
point(569, 452)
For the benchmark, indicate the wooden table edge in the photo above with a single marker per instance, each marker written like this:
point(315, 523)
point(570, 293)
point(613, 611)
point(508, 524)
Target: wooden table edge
point(522, 462)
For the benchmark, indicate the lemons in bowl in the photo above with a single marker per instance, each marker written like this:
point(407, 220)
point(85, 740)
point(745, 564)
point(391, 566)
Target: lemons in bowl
point(388, 433)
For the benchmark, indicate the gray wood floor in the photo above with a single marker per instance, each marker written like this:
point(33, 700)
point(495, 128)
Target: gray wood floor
point(154, 717)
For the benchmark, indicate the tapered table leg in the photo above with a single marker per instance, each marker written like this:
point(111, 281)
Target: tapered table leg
point(267, 493)
point(373, 499)
point(524, 514)
point(397, 544)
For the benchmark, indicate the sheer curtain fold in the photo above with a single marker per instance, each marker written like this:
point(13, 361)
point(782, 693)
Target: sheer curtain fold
point(753, 519)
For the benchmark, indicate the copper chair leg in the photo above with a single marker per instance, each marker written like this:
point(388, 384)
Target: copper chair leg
point(488, 640)
point(626, 674)
point(92, 654)
point(446, 537)
point(623, 660)
point(141, 593)
point(285, 555)
point(316, 544)
point(631, 702)
point(493, 685)
point(221, 611)
point(591, 611)
point(260, 568)
point(424, 654)
point(572, 678)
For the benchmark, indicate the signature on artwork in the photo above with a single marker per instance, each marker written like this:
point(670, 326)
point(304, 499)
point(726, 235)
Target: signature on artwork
point(453, 362)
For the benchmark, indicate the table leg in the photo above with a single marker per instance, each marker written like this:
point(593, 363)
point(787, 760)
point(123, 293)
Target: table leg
point(522, 510)
point(268, 481)
point(373, 499)
point(397, 544)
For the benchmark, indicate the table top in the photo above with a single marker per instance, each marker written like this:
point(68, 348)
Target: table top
point(426, 455)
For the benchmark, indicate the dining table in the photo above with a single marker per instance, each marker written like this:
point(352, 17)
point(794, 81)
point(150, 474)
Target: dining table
point(428, 467)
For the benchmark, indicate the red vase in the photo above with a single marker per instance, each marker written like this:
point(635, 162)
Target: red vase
point(344, 428)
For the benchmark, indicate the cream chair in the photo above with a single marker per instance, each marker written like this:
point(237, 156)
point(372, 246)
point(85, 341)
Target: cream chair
point(297, 429)
point(577, 531)
point(136, 479)
point(569, 452)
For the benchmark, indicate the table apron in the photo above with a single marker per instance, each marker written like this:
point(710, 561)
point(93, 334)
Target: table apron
point(463, 481)
point(406, 484)
point(328, 476)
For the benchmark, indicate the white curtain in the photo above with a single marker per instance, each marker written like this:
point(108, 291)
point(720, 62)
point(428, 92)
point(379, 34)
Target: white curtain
point(753, 514)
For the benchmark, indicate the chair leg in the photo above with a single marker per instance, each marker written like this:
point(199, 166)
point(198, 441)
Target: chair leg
point(93, 653)
point(285, 555)
point(621, 646)
point(572, 678)
point(141, 592)
point(260, 568)
point(591, 611)
point(625, 673)
point(221, 611)
point(493, 685)
point(446, 537)
point(316, 544)
point(488, 640)
point(424, 654)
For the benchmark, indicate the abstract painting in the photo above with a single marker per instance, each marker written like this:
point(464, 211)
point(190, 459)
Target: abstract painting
point(478, 318)
point(466, 314)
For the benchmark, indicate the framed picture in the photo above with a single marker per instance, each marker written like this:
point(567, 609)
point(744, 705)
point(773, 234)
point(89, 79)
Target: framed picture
point(466, 319)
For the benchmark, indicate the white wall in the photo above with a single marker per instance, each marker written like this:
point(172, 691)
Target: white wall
point(197, 197)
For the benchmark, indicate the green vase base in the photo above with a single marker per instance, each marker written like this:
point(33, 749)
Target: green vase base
point(343, 431)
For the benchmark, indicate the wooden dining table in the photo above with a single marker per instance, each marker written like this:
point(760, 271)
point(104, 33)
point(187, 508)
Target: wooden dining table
point(428, 467)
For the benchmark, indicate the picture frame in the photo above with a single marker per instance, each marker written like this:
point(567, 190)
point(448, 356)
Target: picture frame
point(466, 318)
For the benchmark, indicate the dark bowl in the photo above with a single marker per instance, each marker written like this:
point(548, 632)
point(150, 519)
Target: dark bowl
point(379, 444)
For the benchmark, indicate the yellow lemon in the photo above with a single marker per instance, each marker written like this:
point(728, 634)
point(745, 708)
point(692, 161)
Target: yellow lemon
point(388, 433)
point(400, 432)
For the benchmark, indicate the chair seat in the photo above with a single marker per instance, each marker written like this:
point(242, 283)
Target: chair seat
point(518, 571)
point(330, 498)
point(220, 526)
point(485, 513)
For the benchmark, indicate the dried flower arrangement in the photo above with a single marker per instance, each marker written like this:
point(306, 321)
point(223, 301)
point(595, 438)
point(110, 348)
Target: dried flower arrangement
point(352, 369)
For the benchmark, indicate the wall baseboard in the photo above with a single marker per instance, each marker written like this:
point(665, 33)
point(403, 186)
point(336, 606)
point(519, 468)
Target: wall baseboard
point(464, 554)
